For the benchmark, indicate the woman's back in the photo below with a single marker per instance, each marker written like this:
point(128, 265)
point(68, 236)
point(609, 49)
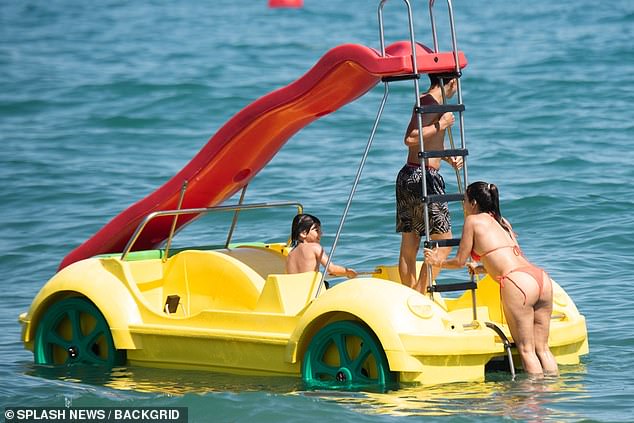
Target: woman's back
point(497, 249)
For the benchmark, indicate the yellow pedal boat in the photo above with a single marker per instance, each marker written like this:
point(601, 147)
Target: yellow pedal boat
point(233, 309)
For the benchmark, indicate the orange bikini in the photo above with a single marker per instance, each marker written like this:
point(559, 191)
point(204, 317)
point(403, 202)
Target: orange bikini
point(536, 272)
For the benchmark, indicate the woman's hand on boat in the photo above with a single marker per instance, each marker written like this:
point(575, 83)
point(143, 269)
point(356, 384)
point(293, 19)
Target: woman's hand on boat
point(475, 268)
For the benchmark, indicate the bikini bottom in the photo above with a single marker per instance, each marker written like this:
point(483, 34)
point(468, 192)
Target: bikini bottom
point(534, 271)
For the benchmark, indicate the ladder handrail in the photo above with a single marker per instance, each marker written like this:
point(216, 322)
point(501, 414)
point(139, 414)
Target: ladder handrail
point(454, 45)
point(419, 118)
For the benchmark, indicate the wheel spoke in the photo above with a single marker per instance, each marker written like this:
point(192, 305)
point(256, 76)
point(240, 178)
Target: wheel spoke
point(358, 362)
point(90, 357)
point(340, 341)
point(319, 367)
point(87, 345)
point(92, 337)
point(53, 338)
point(75, 320)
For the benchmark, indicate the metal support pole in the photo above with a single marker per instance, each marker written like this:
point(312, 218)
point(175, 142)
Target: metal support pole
point(354, 185)
point(173, 228)
point(234, 221)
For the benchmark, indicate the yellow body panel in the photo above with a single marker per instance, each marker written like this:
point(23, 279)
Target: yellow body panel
point(237, 311)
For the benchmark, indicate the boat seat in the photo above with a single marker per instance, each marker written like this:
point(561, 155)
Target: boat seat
point(210, 280)
point(264, 261)
point(288, 294)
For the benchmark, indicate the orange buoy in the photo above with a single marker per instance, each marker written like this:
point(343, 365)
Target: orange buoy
point(286, 3)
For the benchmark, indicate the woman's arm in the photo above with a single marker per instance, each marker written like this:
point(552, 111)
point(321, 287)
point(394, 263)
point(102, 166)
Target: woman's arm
point(464, 250)
point(476, 269)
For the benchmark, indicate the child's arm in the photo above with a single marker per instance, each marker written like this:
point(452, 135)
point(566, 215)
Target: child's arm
point(335, 269)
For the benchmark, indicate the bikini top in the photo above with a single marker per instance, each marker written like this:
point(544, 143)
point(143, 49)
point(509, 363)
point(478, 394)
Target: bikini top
point(516, 250)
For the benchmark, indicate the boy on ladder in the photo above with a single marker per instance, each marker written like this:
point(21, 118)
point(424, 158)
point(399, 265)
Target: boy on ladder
point(410, 220)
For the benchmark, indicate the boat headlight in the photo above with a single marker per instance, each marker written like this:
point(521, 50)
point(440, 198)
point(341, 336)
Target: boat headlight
point(560, 299)
point(420, 306)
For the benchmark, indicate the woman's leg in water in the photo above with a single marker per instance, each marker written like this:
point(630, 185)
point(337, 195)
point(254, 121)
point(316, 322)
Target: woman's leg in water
point(520, 315)
point(543, 312)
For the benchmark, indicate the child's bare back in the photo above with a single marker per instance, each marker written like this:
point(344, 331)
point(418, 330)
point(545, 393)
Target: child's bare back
point(307, 253)
point(305, 257)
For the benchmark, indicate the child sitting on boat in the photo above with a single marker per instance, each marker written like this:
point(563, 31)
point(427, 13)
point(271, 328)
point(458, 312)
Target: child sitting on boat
point(307, 253)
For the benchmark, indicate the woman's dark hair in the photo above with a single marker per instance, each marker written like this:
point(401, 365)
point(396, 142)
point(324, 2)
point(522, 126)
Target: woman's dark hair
point(487, 197)
point(435, 80)
point(302, 223)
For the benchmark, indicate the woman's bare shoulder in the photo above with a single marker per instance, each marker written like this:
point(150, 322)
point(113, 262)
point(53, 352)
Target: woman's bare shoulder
point(476, 219)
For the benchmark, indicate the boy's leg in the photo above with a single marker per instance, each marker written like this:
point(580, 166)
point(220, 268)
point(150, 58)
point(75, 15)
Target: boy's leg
point(410, 242)
point(443, 253)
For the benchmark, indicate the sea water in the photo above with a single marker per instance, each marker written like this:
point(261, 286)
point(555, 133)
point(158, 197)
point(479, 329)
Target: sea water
point(101, 103)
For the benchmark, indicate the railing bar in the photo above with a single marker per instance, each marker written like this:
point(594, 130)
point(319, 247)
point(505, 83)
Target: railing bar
point(386, 91)
point(173, 228)
point(234, 221)
point(203, 210)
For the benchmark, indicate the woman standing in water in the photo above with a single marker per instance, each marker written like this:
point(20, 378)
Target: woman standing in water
point(526, 290)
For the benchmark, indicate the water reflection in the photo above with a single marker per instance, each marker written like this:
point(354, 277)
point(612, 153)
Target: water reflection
point(523, 399)
point(165, 381)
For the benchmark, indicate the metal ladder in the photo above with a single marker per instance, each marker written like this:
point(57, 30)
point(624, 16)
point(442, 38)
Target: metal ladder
point(439, 108)
point(461, 176)
point(423, 155)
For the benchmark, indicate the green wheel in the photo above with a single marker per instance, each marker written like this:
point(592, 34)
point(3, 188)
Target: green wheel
point(73, 331)
point(345, 354)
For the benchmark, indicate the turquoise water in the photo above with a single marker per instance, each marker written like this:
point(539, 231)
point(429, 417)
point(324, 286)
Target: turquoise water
point(101, 103)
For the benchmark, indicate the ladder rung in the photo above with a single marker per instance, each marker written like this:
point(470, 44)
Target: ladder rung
point(443, 153)
point(443, 198)
point(405, 77)
point(452, 242)
point(448, 75)
point(439, 108)
point(451, 287)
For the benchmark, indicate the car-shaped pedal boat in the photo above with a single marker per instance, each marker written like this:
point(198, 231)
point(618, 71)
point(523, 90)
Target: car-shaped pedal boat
point(233, 309)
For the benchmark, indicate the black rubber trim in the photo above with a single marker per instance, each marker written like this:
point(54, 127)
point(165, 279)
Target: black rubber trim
point(443, 198)
point(448, 75)
point(443, 153)
point(452, 242)
point(451, 287)
point(405, 77)
point(440, 108)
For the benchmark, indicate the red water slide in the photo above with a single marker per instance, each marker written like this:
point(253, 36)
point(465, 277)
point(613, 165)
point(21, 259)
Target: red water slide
point(250, 139)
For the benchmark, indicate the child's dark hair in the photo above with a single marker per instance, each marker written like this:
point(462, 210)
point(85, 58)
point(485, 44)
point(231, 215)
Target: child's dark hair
point(302, 223)
point(487, 197)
